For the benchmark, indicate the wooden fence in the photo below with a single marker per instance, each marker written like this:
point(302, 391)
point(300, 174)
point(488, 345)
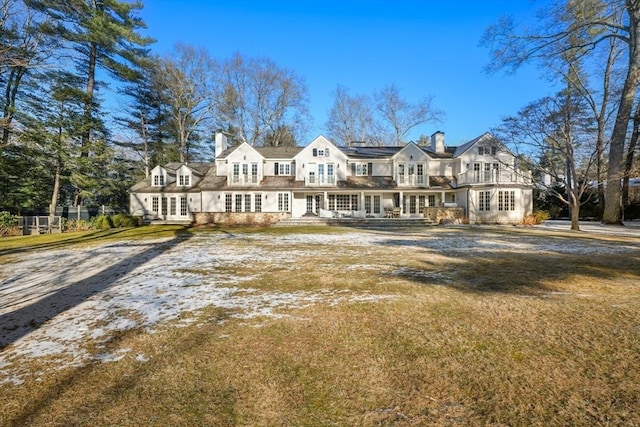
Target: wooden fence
point(41, 225)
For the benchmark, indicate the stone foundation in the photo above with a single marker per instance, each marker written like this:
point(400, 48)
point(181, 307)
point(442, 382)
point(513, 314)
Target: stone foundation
point(444, 215)
point(239, 218)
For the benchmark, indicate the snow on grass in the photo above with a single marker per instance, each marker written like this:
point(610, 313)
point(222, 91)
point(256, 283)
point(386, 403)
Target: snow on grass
point(143, 291)
point(55, 305)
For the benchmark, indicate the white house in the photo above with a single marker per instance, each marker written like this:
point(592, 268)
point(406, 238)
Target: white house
point(481, 178)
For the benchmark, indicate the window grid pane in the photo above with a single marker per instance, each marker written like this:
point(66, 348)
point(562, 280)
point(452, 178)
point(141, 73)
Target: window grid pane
point(183, 206)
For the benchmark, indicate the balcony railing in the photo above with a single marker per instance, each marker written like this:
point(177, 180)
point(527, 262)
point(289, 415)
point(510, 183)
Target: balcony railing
point(319, 180)
point(411, 180)
point(245, 179)
point(494, 177)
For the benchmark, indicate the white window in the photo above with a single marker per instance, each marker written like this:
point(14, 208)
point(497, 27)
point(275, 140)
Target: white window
point(184, 180)
point(284, 169)
point(228, 203)
point(401, 173)
point(236, 173)
point(506, 200)
point(238, 202)
point(172, 206)
point(158, 180)
point(283, 202)
point(420, 179)
point(254, 173)
point(183, 206)
point(247, 202)
point(484, 201)
point(257, 203)
point(376, 204)
point(155, 204)
point(343, 202)
point(245, 173)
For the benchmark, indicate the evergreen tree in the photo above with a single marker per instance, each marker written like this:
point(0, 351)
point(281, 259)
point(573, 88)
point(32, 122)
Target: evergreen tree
point(103, 33)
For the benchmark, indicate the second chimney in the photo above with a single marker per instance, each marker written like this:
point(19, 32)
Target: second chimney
point(437, 142)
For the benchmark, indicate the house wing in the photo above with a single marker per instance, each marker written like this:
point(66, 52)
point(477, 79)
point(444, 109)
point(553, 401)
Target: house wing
point(321, 143)
point(486, 137)
point(410, 151)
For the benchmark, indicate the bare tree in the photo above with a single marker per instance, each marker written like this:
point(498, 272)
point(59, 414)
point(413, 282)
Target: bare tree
point(401, 115)
point(591, 23)
point(183, 80)
point(258, 98)
point(386, 118)
point(558, 132)
point(350, 118)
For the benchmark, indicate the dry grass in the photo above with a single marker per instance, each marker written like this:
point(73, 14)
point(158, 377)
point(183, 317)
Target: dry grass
point(471, 337)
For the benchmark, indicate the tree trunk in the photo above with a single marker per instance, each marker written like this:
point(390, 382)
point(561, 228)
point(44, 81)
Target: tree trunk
point(612, 207)
point(13, 83)
point(88, 104)
point(575, 213)
point(54, 197)
point(600, 166)
point(628, 164)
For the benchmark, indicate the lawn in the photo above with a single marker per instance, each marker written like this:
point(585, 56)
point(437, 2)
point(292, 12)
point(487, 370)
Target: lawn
point(321, 326)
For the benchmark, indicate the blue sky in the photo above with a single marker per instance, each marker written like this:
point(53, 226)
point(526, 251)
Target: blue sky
point(424, 47)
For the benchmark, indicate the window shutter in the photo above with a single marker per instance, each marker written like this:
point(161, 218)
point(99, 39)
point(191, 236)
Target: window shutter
point(353, 169)
point(275, 171)
point(293, 167)
point(315, 152)
point(326, 152)
point(370, 169)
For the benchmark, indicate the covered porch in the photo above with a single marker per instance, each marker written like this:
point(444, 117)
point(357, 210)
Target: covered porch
point(370, 204)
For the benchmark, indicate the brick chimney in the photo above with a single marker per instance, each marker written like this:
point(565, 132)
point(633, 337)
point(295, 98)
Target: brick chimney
point(437, 142)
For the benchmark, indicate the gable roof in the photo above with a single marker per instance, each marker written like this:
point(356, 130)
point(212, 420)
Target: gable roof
point(279, 152)
point(464, 147)
point(371, 152)
point(227, 152)
point(200, 168)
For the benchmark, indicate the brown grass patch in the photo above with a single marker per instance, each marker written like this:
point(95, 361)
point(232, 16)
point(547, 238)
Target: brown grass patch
point(474, 336)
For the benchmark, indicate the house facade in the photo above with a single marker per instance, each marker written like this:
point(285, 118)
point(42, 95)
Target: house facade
point(481, 179)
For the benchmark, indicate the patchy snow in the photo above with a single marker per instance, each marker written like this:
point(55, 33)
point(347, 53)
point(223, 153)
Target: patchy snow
point(55, 305)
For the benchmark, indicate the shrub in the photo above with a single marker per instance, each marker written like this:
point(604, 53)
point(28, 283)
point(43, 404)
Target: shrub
point(78, 225)
point(7, 220)
point(9, 225)
point(536, 218)
point(123, 220)
point(102, 222)
point(541, 216)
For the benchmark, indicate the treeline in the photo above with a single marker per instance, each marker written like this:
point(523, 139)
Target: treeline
point(88, 110)
point(584, 137)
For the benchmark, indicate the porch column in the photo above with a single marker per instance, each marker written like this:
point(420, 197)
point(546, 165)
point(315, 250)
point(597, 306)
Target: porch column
point(401, 202)
point(361, 200)
point(442, 199)
point(325, 201)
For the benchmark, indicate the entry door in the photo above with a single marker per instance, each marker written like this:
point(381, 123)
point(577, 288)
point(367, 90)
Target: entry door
point(310, 204)
point(412, 204)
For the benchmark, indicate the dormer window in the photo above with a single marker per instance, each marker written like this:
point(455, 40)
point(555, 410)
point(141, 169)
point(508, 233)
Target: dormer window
point(320, 152)
point(184, 180)
point(487, 150)
point(158, 180)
